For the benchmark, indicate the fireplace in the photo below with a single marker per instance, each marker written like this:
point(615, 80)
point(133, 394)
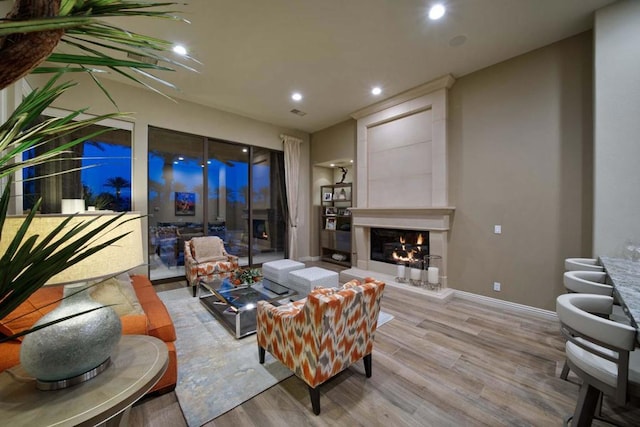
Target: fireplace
point(402, 178)
point(395, 245)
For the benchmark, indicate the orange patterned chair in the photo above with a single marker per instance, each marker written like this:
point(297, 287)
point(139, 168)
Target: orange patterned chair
point(322, 335)
point(206, 258)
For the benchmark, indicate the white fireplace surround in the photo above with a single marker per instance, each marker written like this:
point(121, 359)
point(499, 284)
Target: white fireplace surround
point(435, 220)
point(401, 169)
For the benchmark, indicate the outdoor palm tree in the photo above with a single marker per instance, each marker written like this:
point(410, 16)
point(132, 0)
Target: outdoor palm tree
point(117, 183)
point(29, 38)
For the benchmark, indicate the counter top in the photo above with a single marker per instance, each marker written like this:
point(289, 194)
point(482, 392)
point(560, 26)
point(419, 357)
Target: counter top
point(625, 277)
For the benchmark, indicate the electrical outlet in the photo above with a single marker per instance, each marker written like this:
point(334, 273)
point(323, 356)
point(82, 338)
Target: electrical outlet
point(496, 286)
point(497, 229)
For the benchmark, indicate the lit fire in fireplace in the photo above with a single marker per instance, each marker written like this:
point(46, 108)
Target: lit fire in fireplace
point(407, 252)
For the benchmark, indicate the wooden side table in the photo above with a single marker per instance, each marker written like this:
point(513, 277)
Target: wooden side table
point(138, 362)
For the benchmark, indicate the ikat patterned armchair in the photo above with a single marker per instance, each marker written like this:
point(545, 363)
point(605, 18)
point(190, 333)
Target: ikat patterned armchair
point(322, 335)
point(206, 258)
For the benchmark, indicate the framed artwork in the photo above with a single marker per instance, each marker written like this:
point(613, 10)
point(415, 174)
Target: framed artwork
point(330, 224)
point(327, 197)
point(185, 204)
point(343, 211)
point(330, 211)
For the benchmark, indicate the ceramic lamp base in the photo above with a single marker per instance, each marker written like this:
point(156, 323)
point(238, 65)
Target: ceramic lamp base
point(72, 350)
point(60, 384)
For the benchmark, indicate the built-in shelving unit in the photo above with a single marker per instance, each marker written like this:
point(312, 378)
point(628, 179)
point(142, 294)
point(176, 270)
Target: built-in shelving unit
point(335, 226)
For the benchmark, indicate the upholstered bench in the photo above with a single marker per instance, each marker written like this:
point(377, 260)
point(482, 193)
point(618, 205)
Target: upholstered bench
point(276, 274)
point(304, 280)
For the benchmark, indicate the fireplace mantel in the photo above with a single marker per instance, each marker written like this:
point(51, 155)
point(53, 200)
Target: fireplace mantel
point(431, 218)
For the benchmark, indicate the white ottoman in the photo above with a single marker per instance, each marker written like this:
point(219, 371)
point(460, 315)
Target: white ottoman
point(303, 281)
point(276, 273)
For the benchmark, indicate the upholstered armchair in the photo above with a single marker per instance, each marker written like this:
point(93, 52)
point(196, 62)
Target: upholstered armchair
point(206, 258)
point(322, 335)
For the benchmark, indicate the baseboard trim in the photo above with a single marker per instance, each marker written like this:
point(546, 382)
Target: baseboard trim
point(507, 305)
point(447, 294)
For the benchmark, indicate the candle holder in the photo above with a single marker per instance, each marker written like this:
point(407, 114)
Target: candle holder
point(416, 273)
point(433, 269)
point(401, 274)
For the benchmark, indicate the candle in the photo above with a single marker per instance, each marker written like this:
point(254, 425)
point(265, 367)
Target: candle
point(400, 272)
point(432, 275)
point(415, 274)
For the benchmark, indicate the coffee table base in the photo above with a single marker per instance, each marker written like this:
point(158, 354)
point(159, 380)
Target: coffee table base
point(240, 323)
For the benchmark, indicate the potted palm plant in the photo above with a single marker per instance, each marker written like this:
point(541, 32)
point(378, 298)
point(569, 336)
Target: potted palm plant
point(29, 37)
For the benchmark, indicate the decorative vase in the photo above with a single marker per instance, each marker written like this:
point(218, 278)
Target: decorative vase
point(74, 347)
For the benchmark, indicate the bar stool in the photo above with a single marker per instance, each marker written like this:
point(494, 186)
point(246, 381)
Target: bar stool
point(582, 264)
point(599, 351)
point(591, 282)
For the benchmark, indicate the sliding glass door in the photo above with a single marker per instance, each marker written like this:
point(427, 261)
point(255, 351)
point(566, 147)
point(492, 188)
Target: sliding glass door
point(200, 186)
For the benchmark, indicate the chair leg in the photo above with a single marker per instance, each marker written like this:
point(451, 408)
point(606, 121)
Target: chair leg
point(367, 365)
point(194, 289)
point(314, 393)
point(261, 354)
point(586, 406)
point(565, 371)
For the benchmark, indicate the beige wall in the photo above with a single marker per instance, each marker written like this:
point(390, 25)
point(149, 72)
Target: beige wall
point(154, 110)
point(521, 156)
point(335, 142)
point(617, 128)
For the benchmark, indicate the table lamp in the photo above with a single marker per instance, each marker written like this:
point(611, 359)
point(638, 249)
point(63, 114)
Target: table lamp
point(79, 348)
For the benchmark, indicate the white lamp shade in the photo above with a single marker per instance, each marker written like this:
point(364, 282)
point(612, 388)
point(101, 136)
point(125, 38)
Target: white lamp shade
point(116, 258)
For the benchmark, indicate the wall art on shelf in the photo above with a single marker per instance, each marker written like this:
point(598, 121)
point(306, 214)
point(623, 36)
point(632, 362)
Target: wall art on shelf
point(330, 224)
point(327, 197)
point(185, 204)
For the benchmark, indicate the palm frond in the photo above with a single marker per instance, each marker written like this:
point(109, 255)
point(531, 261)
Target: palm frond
point(29, 262)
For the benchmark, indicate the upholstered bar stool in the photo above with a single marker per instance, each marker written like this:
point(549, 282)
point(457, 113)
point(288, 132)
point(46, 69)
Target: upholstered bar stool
point(594, 282)
point(599, 351)
point(582, 264)
point(591, 282)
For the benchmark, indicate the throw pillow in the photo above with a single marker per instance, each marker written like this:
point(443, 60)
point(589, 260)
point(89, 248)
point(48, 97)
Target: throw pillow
point(118, 291)
point(206, 247)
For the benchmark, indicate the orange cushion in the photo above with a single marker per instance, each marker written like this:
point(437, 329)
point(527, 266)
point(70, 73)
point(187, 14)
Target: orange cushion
point(168, 381)
point(31, 310)
point(134, 324)
point(160, 323)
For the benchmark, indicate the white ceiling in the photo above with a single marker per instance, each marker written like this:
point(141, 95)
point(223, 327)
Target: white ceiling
point(255, 53)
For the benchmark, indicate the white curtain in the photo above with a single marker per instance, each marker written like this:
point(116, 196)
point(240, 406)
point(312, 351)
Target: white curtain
point(291, 175)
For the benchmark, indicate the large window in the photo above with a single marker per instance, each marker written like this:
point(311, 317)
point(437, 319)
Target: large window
point(97, 173)
point(201, 186)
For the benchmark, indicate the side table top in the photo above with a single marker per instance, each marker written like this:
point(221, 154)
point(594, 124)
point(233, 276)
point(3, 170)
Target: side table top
point(137, 364)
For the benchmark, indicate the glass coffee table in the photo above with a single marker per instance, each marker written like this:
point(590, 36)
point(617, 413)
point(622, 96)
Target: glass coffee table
point(235, 306)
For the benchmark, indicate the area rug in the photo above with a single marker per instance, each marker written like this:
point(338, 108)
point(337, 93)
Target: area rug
point(217, 372)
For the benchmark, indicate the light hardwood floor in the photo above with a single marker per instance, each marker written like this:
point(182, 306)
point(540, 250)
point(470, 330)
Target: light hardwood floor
point(454, 364)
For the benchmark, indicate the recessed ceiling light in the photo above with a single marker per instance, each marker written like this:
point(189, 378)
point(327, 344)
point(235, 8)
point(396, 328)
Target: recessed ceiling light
point(244, 150)
point(350, 161)
point(333, 165)
point(296, 96)
point(436, 12)
point(376, 90)
point(180, 50)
